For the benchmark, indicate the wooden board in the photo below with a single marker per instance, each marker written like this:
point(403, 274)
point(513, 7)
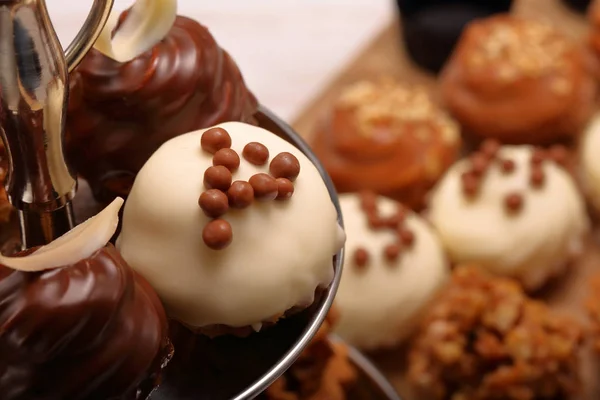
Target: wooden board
point(385, 57)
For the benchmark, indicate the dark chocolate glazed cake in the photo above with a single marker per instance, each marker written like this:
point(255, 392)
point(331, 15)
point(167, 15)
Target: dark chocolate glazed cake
point(120, 113)
point(92, 330)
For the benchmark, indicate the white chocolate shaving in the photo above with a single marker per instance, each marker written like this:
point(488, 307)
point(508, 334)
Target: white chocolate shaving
point(79, 243)
point(148, 22)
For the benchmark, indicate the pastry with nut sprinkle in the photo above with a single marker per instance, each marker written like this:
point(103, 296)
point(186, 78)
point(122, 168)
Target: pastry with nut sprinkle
point(513, 210)
point(233, 226)
point(519, 81)
point(394, 267)
point(389, 138)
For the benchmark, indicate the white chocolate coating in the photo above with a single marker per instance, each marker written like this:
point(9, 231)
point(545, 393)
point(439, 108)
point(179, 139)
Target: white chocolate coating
point(281, 250)
point(590, 162)
point(381, 303)
point(532, 245)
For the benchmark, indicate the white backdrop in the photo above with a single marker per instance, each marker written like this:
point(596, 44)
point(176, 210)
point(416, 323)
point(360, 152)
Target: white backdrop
point(287, 49)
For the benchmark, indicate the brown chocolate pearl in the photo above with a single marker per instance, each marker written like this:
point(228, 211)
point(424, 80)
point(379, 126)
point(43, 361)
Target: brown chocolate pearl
point(285, 165)
point(265, 187)
point(407, 237)
point(392, 252)
point(507, 166)
point(215, 139)
point(538, 156)
point(470, 184)
point(559, 154)
point(368, 201)
point(227, 158)
point(256, 153)
point(537, 177)
point(479, 163)
point(513, 202)
point(395, 220)
point(361, 257)
point(285, 189)
point(217, 177)
point(214, 203)
point(217, 234)
point(490, 148)
point(240, 194)
point(376, 222)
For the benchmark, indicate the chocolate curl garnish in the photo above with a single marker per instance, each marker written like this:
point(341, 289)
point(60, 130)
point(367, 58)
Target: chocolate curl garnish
point(76, 245)
point(147, 23)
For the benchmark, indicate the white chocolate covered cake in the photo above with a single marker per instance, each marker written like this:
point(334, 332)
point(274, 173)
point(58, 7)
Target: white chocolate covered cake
point(513, 210)
point(394, 267)
point(233, 226)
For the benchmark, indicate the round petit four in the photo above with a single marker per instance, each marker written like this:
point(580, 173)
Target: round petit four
point(513, 210)
point(388, 138)
point(394, 267)
point(484, 339)
point(171, 78)
point(323, 370)
point(76, 322)
point(431, 28)
point(519, 81)
point(252, 253)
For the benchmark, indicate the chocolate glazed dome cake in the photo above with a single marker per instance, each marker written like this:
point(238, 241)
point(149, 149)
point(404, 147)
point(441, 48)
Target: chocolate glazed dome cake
point(120, 112)
point(82, 326)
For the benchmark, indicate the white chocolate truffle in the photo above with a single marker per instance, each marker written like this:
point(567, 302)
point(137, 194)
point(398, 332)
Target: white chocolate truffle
point(532, 242)
point(590, 162)
point(380, 303)
point(280, 254)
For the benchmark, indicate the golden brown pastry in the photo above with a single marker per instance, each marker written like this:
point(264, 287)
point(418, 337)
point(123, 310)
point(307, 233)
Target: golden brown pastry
point(389, 138)
point(486, 340)
point(518, 81)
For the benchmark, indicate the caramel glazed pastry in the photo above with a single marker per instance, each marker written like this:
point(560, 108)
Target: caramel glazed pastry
point(322, 372)
point(76, 322)
point(397, 264)
point(388, 138)
point(161, 75)
point(484, 339)
point(513, 210)
point(518, 81)
point(233, 226)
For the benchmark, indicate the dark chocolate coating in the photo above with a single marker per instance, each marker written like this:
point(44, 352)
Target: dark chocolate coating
point(120, 113)
point(92, 330)
point(431, 28)
point(578, 5)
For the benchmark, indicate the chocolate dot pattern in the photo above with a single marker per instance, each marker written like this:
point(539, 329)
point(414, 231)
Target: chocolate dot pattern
point(222, 194)
point(404, 237)
point(487, 156)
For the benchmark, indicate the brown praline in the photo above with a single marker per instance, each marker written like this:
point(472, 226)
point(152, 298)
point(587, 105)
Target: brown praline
point(120, 113)
point(91, 330)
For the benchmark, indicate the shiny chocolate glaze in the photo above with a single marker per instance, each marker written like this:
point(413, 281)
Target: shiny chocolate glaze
point(92, 330)
point(120, 113)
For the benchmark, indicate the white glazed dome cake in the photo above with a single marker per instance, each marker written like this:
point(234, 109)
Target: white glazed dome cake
point(394, 267)
point(233, 226)
point(513, 210)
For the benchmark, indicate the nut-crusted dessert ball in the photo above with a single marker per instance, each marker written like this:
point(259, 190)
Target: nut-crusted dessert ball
point(233, 226)
point(388, 138)
point(484, 339)
point(513, 210)
point(394, 266)
point(518, 81)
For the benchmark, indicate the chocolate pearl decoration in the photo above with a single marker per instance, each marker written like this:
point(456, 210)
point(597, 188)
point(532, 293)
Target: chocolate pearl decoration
point(538, 156)
point(227, 158)
point(537, 177)
point(470, 184)
point(240, 194)
point(407, 237)
point(490, 148)
point(285, 165)
point(507, 166)
point(217, 177)
point(214, 203)
point(479, 163)
point(559, 154)
point(392, 252)
point(395, 220)
point(265, 187)
point(256, 153)
point(285, 189)
point(361, 257)
point(214, 140)
point(217, 234)
point(368, 201)
point(513, 202)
